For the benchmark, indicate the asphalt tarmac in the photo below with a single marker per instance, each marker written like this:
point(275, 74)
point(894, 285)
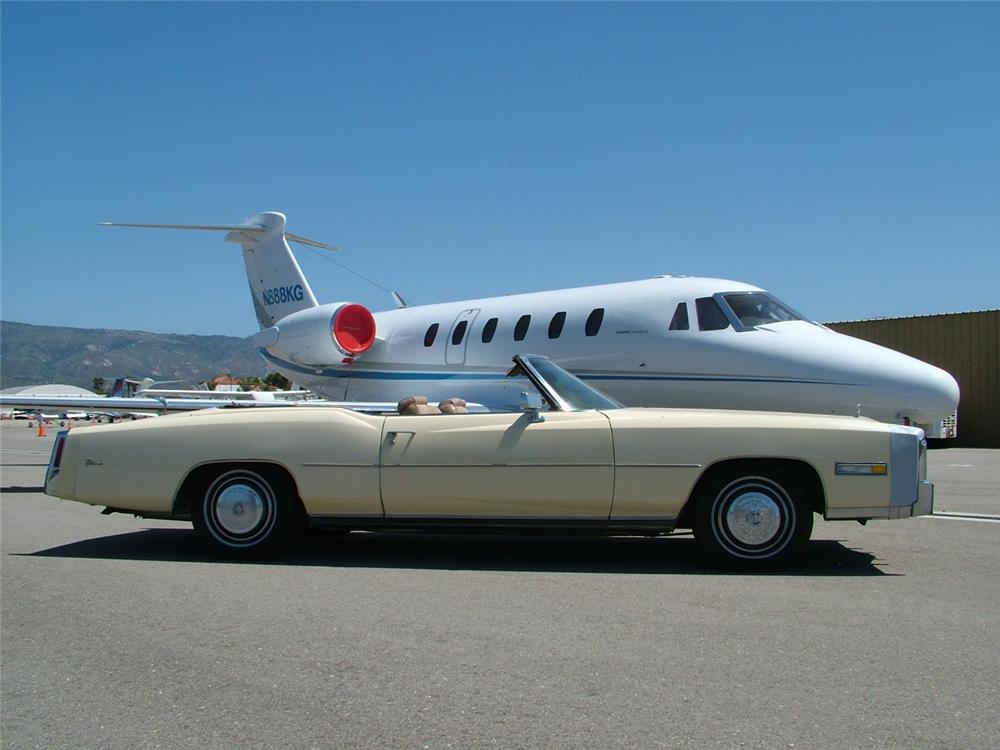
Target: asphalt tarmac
point(119, 632)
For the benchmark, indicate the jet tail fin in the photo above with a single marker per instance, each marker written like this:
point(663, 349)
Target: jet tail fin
point(127, 387)
point(277, 284)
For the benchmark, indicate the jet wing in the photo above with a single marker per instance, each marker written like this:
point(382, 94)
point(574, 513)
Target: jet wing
point(164, 405)
point(114, 404)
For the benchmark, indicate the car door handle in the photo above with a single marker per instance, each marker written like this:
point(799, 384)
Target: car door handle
point(392, 434)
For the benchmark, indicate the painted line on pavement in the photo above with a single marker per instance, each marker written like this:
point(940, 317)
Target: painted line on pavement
point(976, 517)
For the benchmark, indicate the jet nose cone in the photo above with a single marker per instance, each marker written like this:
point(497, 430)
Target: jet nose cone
point(937, 394)
point(893, 386)
point(921, 392)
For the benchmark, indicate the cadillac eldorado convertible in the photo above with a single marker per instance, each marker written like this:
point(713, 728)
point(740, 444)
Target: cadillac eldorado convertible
point(570, 460)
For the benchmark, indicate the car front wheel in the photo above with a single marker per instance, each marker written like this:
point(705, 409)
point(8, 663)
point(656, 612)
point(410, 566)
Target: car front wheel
point(753, 518)
point(247, 512)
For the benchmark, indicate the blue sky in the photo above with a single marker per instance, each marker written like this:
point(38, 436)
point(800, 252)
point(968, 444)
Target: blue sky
point(846, 157)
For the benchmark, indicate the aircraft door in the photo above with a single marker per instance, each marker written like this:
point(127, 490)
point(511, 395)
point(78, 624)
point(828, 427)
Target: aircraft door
point(458, 337)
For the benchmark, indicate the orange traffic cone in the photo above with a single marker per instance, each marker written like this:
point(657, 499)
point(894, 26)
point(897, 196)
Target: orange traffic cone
point(41, 428)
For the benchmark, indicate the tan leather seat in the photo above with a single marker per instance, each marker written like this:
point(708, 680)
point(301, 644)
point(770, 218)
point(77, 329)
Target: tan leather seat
point(416, 405)
point(453, 406)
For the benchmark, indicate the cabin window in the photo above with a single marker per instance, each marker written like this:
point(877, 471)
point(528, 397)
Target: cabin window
point(431, 334)
point(594, 321)
point(556, 325)
point(710, 315)
point(459, 332)
point(489, 330)
point(680, 320)
point(521, 329)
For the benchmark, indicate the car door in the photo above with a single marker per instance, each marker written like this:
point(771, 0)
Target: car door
point(498, 466)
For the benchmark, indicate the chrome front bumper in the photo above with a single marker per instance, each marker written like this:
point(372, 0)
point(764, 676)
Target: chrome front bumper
point(924, 505)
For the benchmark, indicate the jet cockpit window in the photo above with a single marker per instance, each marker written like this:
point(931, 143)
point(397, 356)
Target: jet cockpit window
point(710, 315)
point(680, 320)
point(758, 308)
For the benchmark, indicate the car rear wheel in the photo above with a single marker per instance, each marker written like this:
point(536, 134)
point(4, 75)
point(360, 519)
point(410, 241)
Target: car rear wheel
point(752, 518)
point(247, 512)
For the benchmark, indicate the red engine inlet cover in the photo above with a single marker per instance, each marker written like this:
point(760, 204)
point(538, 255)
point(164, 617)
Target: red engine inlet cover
point(353, 329)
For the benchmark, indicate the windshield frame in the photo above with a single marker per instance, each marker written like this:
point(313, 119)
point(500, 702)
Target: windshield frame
point(559, 398)
point(734, 319)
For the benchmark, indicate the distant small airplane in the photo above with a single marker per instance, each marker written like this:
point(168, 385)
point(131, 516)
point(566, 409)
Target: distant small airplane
point(665, 341)
point(148, 388)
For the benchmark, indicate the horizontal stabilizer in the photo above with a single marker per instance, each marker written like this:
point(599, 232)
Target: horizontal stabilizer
point(306, 241)
point(245, 228)
point(277, 285)
point(253, 228)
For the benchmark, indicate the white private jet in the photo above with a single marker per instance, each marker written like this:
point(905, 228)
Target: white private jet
point(665, 341)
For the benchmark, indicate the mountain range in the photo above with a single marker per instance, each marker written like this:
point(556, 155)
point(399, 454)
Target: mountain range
point(32, 354)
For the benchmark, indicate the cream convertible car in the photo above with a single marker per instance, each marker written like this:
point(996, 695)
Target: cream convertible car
point(571, 461)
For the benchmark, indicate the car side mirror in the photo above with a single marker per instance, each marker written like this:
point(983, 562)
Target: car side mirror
point(532, 403)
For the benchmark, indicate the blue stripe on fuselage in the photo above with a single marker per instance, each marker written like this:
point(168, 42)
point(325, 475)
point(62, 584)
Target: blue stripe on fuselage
point(356, 371)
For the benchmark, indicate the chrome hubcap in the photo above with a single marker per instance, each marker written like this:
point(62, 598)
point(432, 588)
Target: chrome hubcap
point(753, 518)
point(239, 509)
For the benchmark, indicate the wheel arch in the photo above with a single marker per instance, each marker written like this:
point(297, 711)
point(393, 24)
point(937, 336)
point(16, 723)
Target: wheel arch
point(800, 470)
point(187, 491)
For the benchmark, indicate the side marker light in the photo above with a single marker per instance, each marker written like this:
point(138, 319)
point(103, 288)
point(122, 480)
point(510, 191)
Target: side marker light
point(862, 470)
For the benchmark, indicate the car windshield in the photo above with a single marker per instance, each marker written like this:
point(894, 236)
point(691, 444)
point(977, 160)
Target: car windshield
point(759, 308)
point(563, 391)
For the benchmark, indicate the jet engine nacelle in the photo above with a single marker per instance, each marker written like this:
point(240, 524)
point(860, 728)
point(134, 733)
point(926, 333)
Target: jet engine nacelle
point(321, 335)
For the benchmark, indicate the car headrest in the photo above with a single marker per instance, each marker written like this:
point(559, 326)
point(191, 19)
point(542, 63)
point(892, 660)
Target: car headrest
point(412, 405)
point(453, 406)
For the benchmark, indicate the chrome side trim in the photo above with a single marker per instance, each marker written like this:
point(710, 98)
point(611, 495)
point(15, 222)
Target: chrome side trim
point(658, 466)
point(342, 465)
point(642, 519)
point(498, 524)
point(495, 519)
point(496, 466)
